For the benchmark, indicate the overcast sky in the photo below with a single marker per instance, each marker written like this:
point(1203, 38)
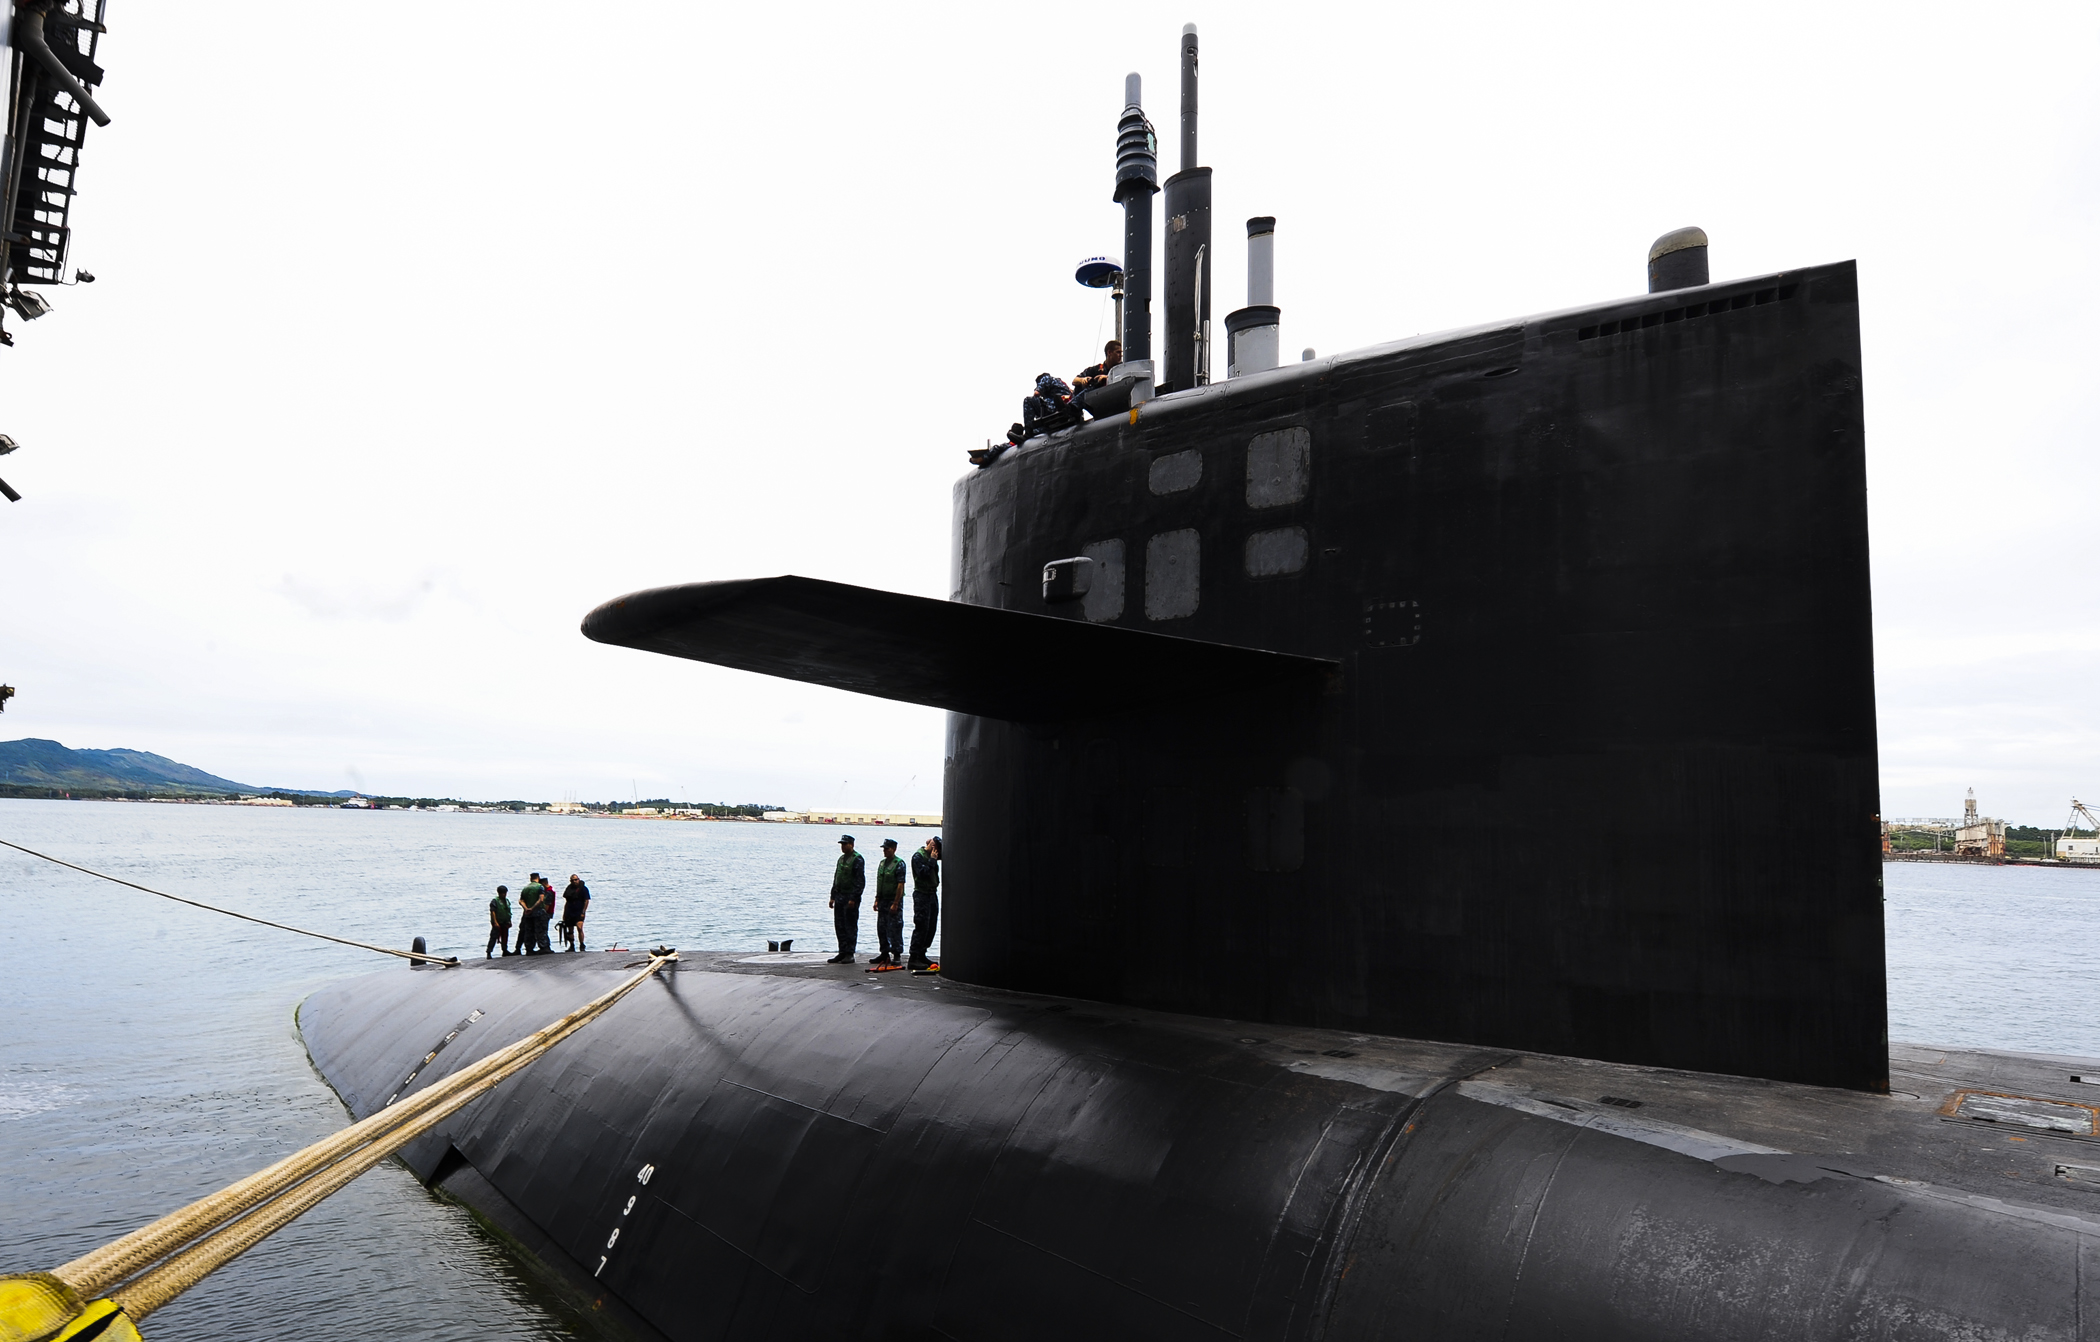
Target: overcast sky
point(418, 333)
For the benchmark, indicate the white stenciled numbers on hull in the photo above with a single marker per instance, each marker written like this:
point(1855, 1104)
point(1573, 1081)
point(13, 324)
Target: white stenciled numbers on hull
point(642, 1177)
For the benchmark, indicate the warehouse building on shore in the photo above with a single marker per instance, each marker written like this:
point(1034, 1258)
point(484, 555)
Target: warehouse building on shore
point(908, 819)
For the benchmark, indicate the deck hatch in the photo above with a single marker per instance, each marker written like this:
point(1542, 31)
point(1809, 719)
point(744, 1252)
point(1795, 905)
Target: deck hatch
point(2085, 1176)
point(2026, 1111)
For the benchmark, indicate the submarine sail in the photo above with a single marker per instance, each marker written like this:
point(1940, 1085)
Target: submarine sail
point(1614, 557)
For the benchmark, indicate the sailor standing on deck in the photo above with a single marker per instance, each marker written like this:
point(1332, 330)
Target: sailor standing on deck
point(575, 902)
point(889, 906)
point(537, 900)
point(925, 901)
point(848, 880)
point(499, 924)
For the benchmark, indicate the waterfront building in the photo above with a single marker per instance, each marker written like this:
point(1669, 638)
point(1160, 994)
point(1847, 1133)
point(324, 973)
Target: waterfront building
point(1978, 836)
point(911, 819)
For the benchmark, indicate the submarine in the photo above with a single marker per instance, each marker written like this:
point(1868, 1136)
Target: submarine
point(1255, 1018)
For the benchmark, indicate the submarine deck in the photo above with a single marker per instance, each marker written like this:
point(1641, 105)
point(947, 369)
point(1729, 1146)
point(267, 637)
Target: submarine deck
point(2022, 1126)
point(825, 1152)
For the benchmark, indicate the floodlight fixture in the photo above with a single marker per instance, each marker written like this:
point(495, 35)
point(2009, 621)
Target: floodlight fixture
point(30, 304)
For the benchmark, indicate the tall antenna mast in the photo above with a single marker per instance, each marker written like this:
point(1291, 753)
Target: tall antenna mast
point(1137, 181)
point(1187, 361)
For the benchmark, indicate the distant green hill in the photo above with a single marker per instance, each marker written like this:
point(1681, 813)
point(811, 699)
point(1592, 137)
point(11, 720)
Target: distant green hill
point(33, 763)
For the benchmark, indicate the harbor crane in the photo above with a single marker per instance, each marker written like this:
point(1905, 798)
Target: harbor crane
point(2069, 846)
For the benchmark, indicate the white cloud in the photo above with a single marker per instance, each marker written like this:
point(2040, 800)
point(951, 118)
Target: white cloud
point(339, 600)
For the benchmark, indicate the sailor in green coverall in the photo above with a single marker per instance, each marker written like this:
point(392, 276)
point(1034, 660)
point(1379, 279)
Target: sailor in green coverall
point(925, 900)
point(499, 924)
point(889, 906)
point(532, 932)
point(848, 880)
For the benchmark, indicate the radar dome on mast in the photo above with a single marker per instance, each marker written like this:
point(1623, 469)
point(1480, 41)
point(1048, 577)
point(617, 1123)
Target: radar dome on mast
point(1098, 272)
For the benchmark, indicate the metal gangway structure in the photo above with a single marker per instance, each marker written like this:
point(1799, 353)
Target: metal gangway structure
point(48, 49)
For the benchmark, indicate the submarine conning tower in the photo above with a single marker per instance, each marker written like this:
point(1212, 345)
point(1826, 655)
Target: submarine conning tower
point(1508, 686)
point(1586, 764)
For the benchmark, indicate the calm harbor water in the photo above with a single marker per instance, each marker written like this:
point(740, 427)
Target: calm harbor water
point(150, 1054)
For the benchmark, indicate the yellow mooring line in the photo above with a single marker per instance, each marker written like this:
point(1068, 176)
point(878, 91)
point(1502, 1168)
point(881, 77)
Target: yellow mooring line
point(105, 1293)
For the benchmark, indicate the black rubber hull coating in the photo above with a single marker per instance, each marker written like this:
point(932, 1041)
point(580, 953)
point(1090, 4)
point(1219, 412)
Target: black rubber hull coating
point(829, 1159)
point(1598, 775)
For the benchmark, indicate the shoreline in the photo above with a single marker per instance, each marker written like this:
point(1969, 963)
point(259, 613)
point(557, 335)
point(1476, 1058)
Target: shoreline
point(1968, 861)
point(898, 820)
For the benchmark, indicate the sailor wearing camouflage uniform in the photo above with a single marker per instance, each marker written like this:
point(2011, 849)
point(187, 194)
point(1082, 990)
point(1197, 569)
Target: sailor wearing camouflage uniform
point(889, 906)
point(925, 900)
point(848, 880)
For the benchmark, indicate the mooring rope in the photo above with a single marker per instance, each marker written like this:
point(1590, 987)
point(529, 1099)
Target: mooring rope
point(234, 913)
point(142, 1295)
point(213, 1231)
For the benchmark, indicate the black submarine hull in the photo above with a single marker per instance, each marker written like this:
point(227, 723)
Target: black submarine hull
point(756, 1149)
